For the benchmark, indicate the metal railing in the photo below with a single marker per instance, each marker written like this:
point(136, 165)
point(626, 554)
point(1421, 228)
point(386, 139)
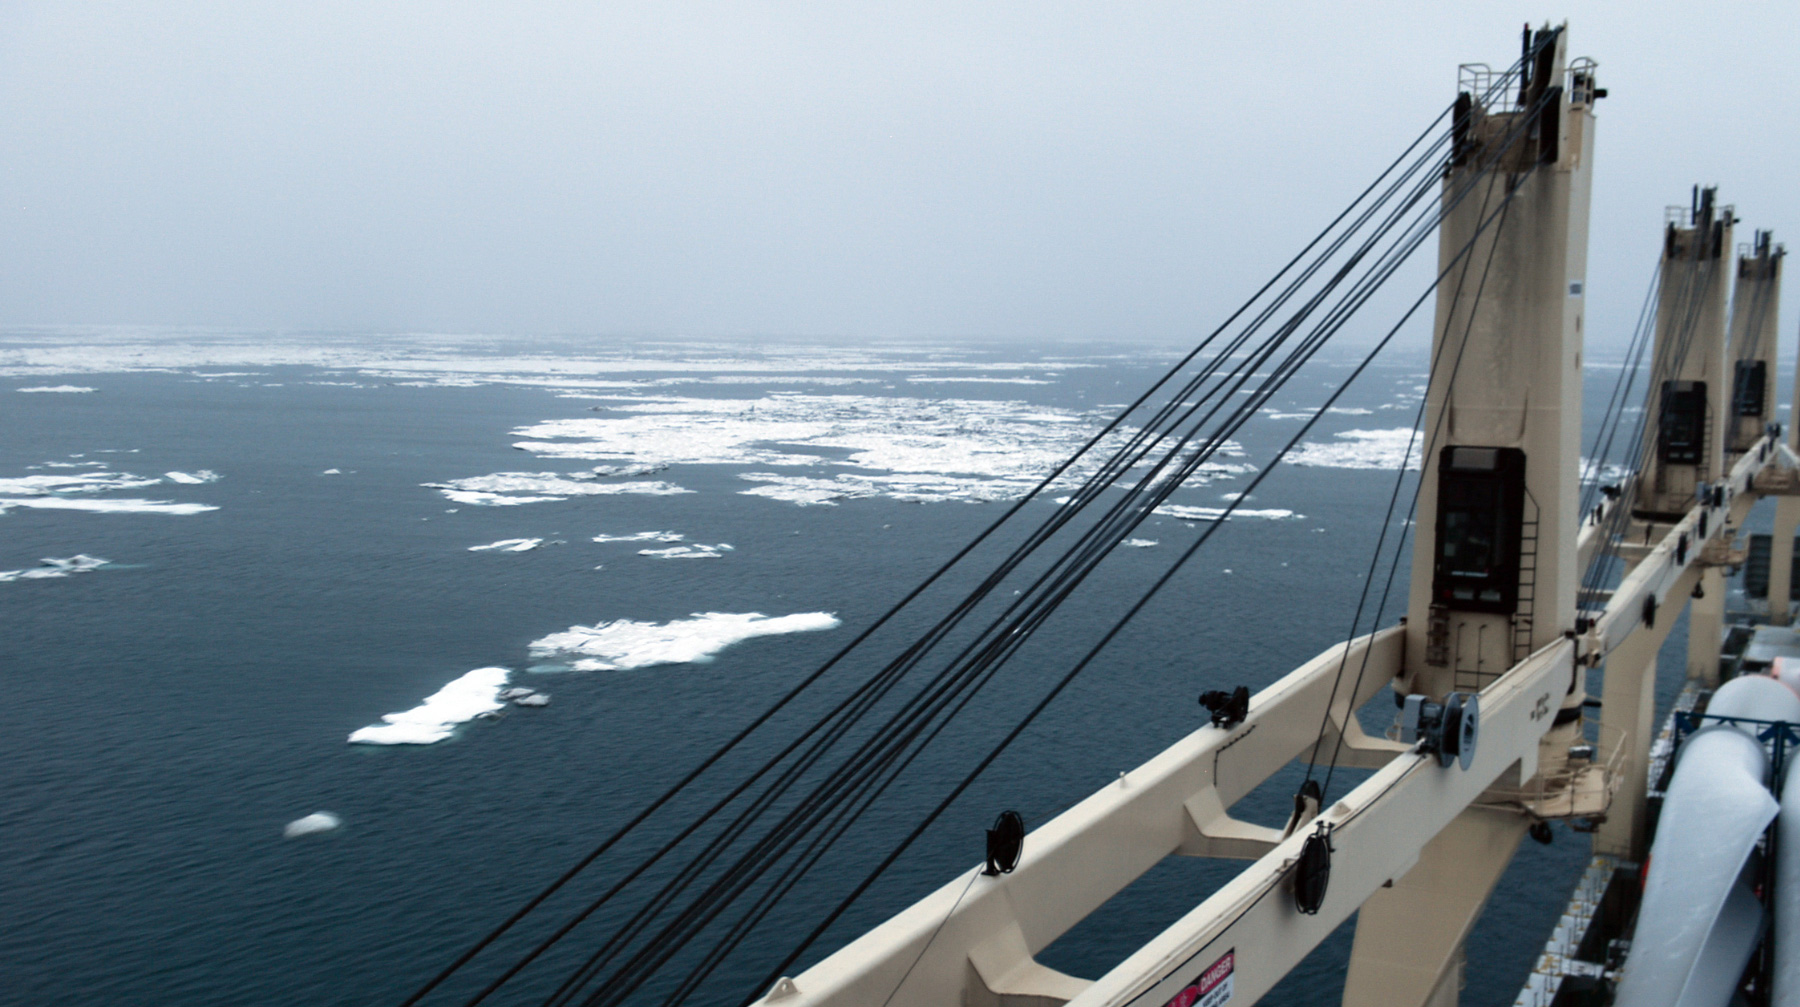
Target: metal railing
point(1554, 793)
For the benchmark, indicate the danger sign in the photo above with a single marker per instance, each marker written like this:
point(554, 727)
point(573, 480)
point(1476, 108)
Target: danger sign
point(1212, 989)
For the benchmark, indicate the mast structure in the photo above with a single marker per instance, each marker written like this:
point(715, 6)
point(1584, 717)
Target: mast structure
point(1494, 573)
point(1489, 668)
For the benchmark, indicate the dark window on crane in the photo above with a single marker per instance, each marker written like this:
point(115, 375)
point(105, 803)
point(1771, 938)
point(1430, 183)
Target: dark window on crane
point(1756, 568)
point(1750, 388)
point(1683, 423)
point(1481, 512)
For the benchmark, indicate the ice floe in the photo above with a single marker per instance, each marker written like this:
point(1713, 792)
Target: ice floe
point(312, 825)
point(1360, 449)
point(509, 545)
point(104, 506)
point(696, 550)
point(625, 643)
point(643, 536)
point(53, 568)
point(535, 699)
point(59, 389)
point(332, 472)
point(192, 478)
point(1140, 543)
point(503, 489)
point(807, 491)
point(464, 699)
point(905, 448)
point(74, 482)
point(455, 361)
point(1189, 513)
point(68, 491)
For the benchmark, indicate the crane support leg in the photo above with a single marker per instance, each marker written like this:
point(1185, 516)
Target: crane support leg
point(1628, 707)
point(1706, 628)
point(1409, 937)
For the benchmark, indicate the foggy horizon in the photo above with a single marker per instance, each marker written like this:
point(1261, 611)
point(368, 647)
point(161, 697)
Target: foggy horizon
point(774, 173)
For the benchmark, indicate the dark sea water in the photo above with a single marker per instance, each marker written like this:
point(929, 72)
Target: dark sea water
point(170, 712)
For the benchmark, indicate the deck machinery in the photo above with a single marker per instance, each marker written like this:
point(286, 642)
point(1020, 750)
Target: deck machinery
point(1491, 662)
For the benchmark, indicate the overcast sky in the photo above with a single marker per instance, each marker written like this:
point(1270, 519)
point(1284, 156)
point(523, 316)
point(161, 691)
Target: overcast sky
point(763, 169)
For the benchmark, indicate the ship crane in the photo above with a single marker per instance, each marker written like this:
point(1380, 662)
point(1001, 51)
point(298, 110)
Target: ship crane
point(1523, 580)
point(1419, 845)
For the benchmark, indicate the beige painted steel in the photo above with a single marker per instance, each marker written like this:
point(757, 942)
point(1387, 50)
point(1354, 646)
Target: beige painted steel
point(1628, 695)
point(1628, 706)
point(1706, 627)
point(973, 940)
point(1691, 296)
point(1512, 313)
point(1759, 291)
point(1379, 832)
point(1754, 333)
point(1396, 959)
point(975, 936)
point(1515, 322)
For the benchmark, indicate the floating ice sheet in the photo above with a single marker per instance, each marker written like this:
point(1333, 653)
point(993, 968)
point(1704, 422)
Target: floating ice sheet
point(104, 506)
point(509, 545)
point(463, 700)
point(54, 568)
point(312, 825)
point(900, 447)
point(1360, 449)
point(643, 536)
point(626, 643)
point(503, 489)
point(192, 478)
point(74, 482)
point(449, 360)
point(69, 490)
point(1140, 543)
point(696, 550)
point(59, 389)
point(1189, 513)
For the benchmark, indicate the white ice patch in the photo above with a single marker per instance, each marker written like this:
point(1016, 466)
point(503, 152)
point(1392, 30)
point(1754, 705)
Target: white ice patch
point(921, 379)
point(643, 536)
point(107, 506)
point(433, 720)
point(58, 492)
point(621, 471)
point(192, 478)
point(1140, 543)
point(54, 568)
point(625, 643)
point(900, 447)
point(1360, 449)
point(74, 482)
point(332, 472)
point(808, 492)
point(695, 551)
point(59, 389)
point(312, 825)
point(504, 489)
point(1187, 513)
point(509, 545)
